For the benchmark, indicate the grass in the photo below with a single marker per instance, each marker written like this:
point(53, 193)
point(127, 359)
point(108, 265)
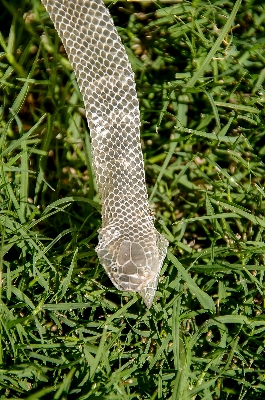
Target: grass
point(66, 332)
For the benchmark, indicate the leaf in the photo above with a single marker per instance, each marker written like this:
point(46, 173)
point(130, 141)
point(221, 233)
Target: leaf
point(240, 211)
point(67, 279)
point(57, 203)
point(65, 306)
point(215, 47)
point(232, 319)
point(236, 107)
point(204, 299)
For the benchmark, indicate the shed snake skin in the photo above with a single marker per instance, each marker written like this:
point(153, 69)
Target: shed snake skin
point(130, 248)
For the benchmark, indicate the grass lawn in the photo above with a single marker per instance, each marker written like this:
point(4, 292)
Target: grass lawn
point(65, 331)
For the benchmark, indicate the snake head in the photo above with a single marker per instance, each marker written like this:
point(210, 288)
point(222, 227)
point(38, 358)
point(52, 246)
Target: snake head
point(132, 266)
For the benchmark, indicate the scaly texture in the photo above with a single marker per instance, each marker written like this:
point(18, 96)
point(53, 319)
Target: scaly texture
point(130, 248)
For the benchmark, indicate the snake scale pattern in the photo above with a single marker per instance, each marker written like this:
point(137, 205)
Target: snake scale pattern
point(130, 248)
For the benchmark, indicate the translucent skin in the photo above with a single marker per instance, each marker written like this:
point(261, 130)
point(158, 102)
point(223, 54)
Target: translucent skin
point(130, 248)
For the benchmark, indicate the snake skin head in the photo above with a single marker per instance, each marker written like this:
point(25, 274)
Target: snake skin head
point(132, 266)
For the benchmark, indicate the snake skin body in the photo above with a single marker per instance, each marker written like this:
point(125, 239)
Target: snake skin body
point(130, 248)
